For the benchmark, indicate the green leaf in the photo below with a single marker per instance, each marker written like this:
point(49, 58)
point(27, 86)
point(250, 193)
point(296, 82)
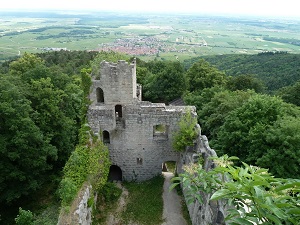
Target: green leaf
point(219, 194)
point(288, 186)
point(273, 219)
point(242, 221)
point(172, 186)
point(294, 211)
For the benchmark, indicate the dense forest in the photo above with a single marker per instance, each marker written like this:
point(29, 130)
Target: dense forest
point(275, 69)
point(248, 106)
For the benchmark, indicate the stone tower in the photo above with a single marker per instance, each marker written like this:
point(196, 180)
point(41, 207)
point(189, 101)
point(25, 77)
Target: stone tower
point(137, 133)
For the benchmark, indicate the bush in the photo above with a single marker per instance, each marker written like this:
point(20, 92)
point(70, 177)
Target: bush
point(187, 132)
point(110, 192)
point(25, 217)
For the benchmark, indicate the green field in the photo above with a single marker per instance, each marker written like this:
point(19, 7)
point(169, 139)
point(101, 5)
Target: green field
point(147, 36)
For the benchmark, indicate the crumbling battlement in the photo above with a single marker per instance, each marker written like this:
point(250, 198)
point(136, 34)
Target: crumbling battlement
point(117, 84)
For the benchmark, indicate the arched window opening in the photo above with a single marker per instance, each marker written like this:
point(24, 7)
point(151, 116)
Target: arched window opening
point(118, 111)
point(106, 137)
point(100, 95)
point(115, 173)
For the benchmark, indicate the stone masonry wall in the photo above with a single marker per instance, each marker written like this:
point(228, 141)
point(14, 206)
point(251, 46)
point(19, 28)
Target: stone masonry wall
point(208, 212)
point(118, 82)
point(131, 127)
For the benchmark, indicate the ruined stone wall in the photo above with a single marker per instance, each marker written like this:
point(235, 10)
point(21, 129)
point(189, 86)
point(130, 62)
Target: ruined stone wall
point(135, 146)
point(117, 81)
point(208, 212)
point(80, 212)
point(128, 125)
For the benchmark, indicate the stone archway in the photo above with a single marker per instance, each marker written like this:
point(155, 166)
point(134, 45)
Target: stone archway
point(169, 166)
point(115, 173)
point(100, 95)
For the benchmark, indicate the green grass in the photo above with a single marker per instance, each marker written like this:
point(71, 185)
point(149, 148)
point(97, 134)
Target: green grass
point(107, 202)
point(145, 203)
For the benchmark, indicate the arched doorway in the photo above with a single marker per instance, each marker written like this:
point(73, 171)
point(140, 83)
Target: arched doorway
point(169, 166)
point(106, 137)
point(115, 173)
point(100, 95)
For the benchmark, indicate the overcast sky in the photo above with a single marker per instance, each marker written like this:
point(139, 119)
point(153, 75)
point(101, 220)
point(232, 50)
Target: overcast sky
point(286, 8)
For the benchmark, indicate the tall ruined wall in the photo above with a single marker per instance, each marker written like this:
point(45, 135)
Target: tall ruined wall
point(208, 212)
point(117, 81)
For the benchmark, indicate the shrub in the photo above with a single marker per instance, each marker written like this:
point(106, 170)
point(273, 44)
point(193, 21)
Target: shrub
point(187, 132)
point(25, 217)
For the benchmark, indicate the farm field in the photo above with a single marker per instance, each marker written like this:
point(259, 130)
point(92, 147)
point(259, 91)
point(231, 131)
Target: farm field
point(146, 36)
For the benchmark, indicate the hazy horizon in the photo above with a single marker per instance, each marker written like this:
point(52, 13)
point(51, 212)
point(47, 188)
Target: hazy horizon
point(266, 8)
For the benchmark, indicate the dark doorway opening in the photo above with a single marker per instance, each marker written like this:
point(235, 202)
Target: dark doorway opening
point(118, 110)
point(106, 138)
point(100, 95)
point(115, 173)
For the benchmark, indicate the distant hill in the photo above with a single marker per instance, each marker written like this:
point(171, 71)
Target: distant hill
point(275, 69)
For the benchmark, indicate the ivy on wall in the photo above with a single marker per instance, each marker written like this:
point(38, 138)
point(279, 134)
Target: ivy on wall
point(90, 160)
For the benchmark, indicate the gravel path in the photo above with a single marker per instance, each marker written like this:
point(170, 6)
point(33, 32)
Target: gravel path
point(172, 204)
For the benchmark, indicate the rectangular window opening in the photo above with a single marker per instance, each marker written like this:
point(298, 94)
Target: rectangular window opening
point(160, 130)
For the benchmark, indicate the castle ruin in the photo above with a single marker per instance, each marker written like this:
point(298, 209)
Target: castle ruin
point(138, 133)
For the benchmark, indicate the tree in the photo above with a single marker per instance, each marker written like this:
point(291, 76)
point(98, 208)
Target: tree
point(282, 153)
point(25, 217)
point(187, 132)
point(26, 62)
point(213, 113)
point(202, 75)
point(245, 131)
point(24, 150)
point(290, 94)
point(246, 82)
point(166, 85)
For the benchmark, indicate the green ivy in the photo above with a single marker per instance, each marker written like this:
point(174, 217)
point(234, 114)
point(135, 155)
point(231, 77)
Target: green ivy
point(90, 160)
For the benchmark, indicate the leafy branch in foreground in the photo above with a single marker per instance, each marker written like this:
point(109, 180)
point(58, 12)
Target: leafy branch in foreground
point(253, 194)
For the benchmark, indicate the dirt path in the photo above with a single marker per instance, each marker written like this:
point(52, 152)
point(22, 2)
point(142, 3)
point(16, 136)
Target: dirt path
point(172, 204)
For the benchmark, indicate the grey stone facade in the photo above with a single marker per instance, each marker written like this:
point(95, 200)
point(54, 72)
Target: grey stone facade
point(137, 133)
